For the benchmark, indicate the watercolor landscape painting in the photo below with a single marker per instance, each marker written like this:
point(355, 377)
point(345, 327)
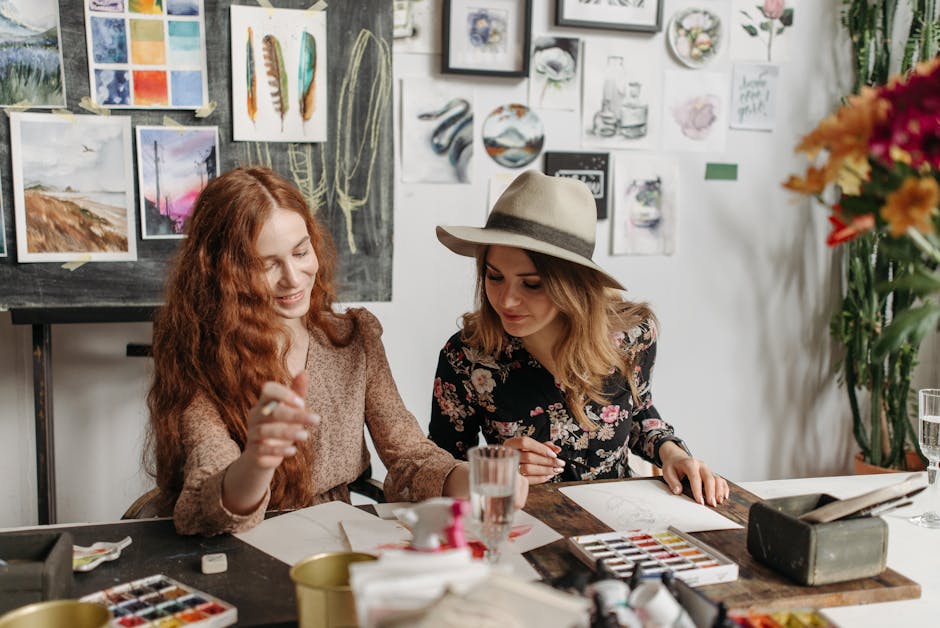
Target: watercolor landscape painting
point(73, 188)
point(174, 164)
point(30, 54)
point(279, 70)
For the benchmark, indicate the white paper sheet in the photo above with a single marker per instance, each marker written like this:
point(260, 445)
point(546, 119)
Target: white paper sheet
point(645, 506)
point(296, 535)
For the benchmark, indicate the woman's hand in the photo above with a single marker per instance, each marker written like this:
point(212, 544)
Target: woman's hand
point(278, 422)
point(707, 487)
point(538, 462)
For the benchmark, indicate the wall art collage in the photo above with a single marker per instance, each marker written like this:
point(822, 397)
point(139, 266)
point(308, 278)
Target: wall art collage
point(73, 175)
point(676, 78)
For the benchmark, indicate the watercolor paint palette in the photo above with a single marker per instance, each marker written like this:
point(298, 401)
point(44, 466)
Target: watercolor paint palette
point(161, 602)
point(655, 553)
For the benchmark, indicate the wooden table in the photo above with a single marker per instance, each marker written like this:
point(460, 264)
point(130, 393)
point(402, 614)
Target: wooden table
point(756, 585)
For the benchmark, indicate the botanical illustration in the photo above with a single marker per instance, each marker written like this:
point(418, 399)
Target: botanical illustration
point(695, 35)
point(174, 164)
point(30, 54)
point(437, 119)
point(279, 70)
point(590, 169)
point(554, 73)
point(644, 193)
point(139, 57)
point(417, 26)
point(621, 103)
point(73, 188)
point(753, 96)
point(696, 111)
point(759, 31)
point(486, 37)
point(513, 135)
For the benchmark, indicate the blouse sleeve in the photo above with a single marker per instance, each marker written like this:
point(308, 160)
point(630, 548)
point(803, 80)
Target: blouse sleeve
point(210, 450)
point(648, 431)
point(417, 468)
point(455, 425)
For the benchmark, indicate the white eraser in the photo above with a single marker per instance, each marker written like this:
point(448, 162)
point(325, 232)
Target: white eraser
point(214, 563)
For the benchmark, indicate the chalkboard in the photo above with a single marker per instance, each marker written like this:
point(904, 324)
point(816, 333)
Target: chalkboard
point(348, 179)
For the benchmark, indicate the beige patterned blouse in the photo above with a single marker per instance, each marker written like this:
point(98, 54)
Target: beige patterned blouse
point(350, 388)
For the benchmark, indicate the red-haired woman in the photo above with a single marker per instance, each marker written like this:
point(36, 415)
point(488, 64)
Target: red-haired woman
point(261, 392)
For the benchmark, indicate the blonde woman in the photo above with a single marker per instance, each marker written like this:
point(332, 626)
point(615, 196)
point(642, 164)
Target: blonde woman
point(554, 361)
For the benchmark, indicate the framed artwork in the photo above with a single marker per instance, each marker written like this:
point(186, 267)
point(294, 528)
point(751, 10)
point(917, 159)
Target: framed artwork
point(73, 188)
point(487, 37)
point(174, 164)
point(622, 15)
point(144, 54)
point(31, 54)
point(279, 70)
point(590, 169)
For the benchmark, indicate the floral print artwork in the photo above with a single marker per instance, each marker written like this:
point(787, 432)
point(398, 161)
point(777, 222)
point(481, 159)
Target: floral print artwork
point(510, 394)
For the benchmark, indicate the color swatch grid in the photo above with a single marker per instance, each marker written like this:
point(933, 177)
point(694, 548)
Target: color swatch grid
point(162, 602)
point(147, 54)
point(655, 553)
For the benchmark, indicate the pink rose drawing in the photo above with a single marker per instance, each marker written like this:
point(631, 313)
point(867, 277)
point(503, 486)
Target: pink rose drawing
point(773, 9)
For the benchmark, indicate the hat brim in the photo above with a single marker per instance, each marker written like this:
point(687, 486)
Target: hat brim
point(466, 240)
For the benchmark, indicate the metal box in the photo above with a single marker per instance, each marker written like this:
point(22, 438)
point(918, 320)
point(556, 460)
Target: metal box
point(815, 553)
point(38, 567)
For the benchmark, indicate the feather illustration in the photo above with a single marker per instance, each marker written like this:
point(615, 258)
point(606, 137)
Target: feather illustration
point(277, 79)
point(250, 75)
point(307, 75)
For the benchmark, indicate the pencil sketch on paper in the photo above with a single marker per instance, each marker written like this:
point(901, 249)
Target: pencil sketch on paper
point(31, 54)
point(174, 164)
point(279, 69)
point(73, 188)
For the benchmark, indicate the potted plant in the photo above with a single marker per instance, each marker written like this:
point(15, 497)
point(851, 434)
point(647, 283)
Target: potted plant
point(876, 170)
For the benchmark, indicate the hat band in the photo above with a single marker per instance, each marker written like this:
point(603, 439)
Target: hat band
point(538, 231)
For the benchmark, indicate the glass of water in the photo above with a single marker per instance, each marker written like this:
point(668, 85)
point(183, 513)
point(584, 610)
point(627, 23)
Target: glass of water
point(928, 433)
point(493, 471)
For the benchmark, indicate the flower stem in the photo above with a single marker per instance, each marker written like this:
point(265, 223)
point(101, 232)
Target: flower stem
point(923, 244)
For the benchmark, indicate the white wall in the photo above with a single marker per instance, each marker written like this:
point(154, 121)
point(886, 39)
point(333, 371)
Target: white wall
point(745, 369)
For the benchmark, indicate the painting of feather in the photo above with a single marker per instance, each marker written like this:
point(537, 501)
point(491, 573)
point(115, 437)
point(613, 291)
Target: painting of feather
point(306, 75)
point(252, 85)
point(279, 70)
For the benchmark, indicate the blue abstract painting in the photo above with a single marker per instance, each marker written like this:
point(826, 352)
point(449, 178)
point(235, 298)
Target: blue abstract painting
point(186, 88)
point(182, 7)
point(185, 44)
point(112, 87)
point(108, 40)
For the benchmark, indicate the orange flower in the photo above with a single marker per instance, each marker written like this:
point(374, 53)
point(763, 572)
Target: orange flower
point(843, 232)
point(912, 205)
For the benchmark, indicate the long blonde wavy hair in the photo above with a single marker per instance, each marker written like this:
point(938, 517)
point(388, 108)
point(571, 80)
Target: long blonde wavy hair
point(590, 313)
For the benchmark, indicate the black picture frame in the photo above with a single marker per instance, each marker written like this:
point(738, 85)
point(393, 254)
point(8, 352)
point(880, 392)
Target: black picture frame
point(565, 16)
point(592, 169)
point(519, 34)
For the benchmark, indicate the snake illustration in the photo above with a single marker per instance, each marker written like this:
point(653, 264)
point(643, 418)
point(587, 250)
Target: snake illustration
point(454, 134)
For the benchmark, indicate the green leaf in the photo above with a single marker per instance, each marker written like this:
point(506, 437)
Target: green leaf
point(909, 326)
point(750, 29)
point(921, 283)
point(765, 26)
point(780, 30)
point(787, 18)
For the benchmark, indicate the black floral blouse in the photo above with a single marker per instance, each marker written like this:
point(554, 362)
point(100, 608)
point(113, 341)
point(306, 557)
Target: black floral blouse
point(511, 394)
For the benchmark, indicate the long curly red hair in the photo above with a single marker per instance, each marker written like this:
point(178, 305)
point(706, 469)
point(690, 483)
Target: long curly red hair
point(218, 334)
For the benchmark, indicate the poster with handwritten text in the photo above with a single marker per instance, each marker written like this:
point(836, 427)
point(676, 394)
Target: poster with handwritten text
point(753, 96)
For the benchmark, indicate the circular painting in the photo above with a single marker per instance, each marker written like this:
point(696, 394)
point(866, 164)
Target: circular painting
point(694, 36)
point(513, 135)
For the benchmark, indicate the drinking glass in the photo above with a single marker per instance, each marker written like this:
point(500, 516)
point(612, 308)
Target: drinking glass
point(928, 433)
point(493, 471)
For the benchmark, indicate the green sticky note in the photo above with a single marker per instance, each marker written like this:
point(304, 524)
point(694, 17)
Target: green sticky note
point(721, 172)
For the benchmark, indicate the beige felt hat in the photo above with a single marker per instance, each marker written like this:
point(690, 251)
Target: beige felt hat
point(556, 216)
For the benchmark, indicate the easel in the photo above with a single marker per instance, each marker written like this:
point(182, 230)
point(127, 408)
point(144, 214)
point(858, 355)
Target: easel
point(42, 320)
